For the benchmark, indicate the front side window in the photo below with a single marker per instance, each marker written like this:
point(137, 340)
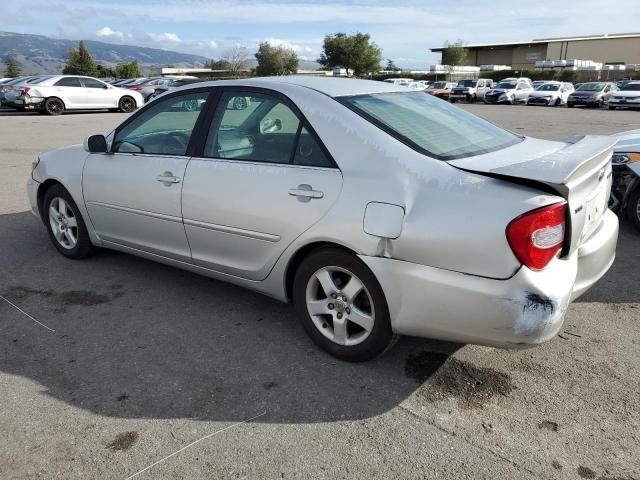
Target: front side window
point(429, 125)
point(92, 83)
point(69, 82)
point(164, 128)
point(261, 128)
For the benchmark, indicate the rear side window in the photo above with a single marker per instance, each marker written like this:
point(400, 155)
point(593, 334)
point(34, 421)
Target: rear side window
point(68, 82)
point(429, 125)
point(259, 127)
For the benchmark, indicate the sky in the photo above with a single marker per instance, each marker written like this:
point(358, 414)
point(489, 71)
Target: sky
point(405, 30)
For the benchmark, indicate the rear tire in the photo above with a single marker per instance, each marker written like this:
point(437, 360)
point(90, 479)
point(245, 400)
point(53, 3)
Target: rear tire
point(65, 225)
point(126, 104)
point(633, 209)
point(53, 106)
point(342, 306)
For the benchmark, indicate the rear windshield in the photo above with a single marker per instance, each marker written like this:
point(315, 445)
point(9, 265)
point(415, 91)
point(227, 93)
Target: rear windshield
point(430, 125)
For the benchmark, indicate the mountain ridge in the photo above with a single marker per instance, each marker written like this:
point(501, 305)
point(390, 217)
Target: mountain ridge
point(47, 55)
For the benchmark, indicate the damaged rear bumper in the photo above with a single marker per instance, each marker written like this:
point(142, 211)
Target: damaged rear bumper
point(526, 309)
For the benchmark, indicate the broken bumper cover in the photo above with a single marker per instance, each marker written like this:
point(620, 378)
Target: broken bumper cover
point(526, 309)
point(27, 102)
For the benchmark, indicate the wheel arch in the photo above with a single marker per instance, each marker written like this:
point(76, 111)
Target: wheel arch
point(64, 102)
point(42, 191)
point(302, 253)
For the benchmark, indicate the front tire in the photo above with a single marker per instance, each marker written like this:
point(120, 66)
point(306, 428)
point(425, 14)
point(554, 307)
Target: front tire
point(65, 225)
point(342, 306)
point(54, 106)
point(126, 104)
point(633, 209)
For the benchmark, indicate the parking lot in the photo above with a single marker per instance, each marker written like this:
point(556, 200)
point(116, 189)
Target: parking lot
point(132, 361)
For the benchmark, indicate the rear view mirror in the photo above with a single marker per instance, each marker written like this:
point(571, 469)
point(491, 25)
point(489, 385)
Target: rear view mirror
point(270, 125)
point(95, 144)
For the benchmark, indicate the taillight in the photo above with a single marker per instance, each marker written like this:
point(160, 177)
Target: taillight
point(25, 90)
point(136, 88)
point(537, 236)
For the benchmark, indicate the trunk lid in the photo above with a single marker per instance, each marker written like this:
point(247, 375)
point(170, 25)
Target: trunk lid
point(579, 171)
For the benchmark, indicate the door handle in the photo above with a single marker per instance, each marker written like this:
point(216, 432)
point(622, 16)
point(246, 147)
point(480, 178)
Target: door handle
point(305, 193)
point(167, 178)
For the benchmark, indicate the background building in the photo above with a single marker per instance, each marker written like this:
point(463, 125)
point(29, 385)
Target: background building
point(622, 48)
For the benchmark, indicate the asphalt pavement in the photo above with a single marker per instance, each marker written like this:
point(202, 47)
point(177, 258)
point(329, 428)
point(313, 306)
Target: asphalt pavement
point(112, 364)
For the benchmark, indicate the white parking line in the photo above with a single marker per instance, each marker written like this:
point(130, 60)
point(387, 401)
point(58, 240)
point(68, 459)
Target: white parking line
point(25, 313)
point(193, 443)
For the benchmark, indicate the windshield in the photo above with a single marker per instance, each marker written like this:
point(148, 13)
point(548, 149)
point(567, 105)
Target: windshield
point(140, 81)
point(548, 88)
point(467, 83)
point(438, 85)
point(591, 87)
point(631, 86)
point(507, 85)
point(429, 125)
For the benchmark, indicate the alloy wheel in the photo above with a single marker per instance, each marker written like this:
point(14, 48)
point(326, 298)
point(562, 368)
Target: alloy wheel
point(64, 223)
point(340, 306)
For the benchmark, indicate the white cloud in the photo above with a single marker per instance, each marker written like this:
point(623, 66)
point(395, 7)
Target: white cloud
point(165, 37)
point(107, 32)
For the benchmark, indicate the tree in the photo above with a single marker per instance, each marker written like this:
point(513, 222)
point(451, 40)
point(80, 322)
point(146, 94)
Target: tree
point(235, 58)
point(454, 54)
point(80, 62)
point(128, 70)
point(221, 64)
point(356, 53)
point(391, 66)
point(275, 60)
point(13, 69)
point(104, 72)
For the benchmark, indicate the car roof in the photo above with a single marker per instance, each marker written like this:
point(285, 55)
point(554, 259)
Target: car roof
point(333, 87)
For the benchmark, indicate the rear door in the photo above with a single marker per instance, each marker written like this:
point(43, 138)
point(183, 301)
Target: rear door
point(99, 95)
point(262, 179)
point(71, 91)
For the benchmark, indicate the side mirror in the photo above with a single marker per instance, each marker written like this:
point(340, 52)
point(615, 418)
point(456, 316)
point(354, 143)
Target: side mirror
point(270, 125)
point(95, 144)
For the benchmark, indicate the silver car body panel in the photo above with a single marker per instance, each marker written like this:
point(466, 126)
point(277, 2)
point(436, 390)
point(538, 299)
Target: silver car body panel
point(239, 222)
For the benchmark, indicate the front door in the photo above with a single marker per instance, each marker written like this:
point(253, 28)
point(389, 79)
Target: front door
point(263, 179)
point(99, 94)
point(133, 193)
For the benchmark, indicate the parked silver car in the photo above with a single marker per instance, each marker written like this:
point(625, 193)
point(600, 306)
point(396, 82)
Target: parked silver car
point(376, 210)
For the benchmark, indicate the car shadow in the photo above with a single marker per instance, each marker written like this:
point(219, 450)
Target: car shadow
point(136, 339)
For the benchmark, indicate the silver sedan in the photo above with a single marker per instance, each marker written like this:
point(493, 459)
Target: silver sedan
point(377, 211)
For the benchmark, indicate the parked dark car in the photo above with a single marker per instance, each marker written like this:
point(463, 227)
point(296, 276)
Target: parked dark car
point(592, 94)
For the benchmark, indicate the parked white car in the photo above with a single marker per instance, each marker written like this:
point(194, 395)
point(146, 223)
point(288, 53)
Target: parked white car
point(377, 210)
point(74, 92)
point(627, 97)
point(419, 86)
point(509, 90)
point(399, 81)
point(471, 90)
point(551, 93)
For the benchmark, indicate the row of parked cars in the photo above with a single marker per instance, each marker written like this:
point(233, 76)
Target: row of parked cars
point(55, 94)
point(625, 94)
